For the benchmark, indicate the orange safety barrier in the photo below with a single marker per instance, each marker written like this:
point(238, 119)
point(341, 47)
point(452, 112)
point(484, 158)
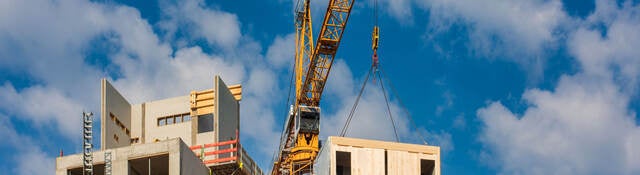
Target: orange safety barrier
point(220, 160)
point(214, 144)
point(219, 152)
point(233, 148)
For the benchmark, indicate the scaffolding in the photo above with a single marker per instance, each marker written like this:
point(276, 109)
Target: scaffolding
point(87, 151)
point(107, 162)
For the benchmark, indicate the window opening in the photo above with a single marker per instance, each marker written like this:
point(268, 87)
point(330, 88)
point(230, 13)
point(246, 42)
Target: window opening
point(343, 163)
point(427, 166)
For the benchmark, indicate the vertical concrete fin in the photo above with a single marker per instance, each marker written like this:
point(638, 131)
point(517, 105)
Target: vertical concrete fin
point(227, 113)
point(103, 83)
point(116, 118)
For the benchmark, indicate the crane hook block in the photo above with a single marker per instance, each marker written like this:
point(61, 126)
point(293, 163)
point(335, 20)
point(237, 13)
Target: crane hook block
point(375, 36)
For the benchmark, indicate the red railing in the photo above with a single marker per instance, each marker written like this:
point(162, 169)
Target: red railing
point(213, 149)
point(211, 154)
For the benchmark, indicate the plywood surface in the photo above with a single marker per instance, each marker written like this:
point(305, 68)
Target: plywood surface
point(364, 143)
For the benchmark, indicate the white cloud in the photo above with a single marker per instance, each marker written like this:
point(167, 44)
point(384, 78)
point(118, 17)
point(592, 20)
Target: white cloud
point(342, 85)
point(459, 122)
point(282, 51)
point(27, 166)
point(258, 119)
point(27, 149)
point(447, 104)
point(441, 138)
point(586, 119)
point(519, 30)
point(219, 28)
point(42, 105)
point(615, 51)
point(400, 10)
point(570, 130)
point(190, 69)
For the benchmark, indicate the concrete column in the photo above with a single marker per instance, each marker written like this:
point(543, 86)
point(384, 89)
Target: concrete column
point(119, 163)
point(174, 160)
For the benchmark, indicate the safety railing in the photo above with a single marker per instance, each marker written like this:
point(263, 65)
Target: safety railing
point(248, 164)
point(220, 152)
point(225, 152)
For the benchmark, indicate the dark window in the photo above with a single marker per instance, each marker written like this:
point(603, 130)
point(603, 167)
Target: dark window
point(205, 123)
point(386, 162)
point(427, 166)
point(343, 163)
point(169, 120)
point(162, 122)
point(179, 119)
point(186, 117)
point(156, 165)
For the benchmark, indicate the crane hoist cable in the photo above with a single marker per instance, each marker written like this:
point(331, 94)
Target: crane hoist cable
point(403, 106)
point(375, 36)
point(376, 68)
point(355, 104)
point(386, 100)
point(370, 74)
point(286, 105)
point(382, 77)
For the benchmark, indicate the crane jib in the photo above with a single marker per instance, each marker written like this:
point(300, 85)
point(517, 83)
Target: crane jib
point(299, 144)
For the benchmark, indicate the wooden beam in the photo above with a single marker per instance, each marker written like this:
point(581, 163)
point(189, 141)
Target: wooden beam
point(365, 143)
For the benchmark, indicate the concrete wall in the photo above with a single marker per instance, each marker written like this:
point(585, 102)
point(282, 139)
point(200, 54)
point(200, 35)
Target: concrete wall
point(323, 161)
point(227, 109)
point(228, 115)
point(137, 123)
point(181, 159)
point(163, 108)
point(113, 103)
point(189, 163)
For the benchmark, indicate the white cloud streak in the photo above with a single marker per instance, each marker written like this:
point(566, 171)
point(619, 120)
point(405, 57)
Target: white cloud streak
point(28, 148)
point(219, 28)
point(282, 51)
point(516, 30)
point(570, 130)
point(586, 119)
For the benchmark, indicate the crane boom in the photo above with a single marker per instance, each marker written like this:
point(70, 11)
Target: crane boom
point(299, 143)
point(335, 21)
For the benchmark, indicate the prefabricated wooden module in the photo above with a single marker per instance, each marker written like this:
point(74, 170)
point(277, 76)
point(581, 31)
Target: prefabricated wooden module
point(351, 156)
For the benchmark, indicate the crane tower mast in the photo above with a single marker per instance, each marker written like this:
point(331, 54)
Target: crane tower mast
point(299, 143)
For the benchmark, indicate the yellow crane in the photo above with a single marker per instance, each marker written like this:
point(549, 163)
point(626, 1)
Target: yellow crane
point(299, 144)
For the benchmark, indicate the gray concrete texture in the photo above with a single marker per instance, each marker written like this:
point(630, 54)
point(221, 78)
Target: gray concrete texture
point(126, 159)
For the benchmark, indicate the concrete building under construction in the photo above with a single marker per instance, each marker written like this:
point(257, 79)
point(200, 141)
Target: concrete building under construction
point(191, 134)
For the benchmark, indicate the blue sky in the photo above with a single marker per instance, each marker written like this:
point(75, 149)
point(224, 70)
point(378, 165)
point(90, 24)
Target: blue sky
point(504, 87)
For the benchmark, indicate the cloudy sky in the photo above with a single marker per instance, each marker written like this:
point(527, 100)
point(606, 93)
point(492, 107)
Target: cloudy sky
point(502, 86)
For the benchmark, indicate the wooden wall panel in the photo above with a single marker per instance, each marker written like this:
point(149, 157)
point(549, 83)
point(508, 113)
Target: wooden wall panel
point(368, 157)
